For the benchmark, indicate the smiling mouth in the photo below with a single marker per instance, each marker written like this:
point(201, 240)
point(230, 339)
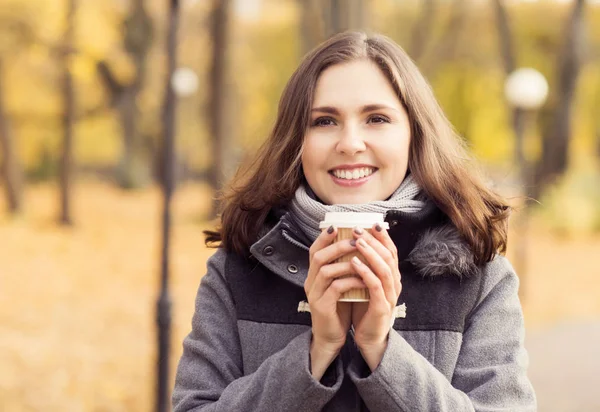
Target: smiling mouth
point(353, 174)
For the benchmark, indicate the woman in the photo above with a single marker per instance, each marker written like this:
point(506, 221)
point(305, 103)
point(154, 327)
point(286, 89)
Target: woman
point(358, 129)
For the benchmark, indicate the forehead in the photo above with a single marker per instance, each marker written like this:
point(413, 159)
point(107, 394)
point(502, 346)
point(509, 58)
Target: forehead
point(355, 83)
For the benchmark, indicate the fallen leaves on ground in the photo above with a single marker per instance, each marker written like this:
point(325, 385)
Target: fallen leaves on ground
point(77, 305)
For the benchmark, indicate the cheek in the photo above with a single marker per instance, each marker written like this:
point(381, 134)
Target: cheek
point(394, 157)
point(394, 151)
point(308, 162)
point(311, 153)
point(306, 157)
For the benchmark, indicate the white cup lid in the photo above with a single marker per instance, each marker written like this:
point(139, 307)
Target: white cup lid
point(353, 219)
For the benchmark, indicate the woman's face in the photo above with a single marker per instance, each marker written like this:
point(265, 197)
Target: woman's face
point(356, 146)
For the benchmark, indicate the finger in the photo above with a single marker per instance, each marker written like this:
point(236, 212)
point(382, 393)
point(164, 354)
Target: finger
point(326, 238)
point(381, 234)
point(329, 254)
point(378, 297)
point(340, 286)
point(327, 275)
point(375, 243)
point(382, 269)
point(380, 240)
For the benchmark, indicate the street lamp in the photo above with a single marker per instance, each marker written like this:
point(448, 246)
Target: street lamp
point(526, 90)
point(184, 81)
point(163, 304)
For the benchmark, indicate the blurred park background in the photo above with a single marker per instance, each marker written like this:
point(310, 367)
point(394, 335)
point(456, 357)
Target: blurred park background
point(82, 92)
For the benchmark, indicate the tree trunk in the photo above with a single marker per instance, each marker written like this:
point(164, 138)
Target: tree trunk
point(129, 174)
point(504, 37)
point(447, 47)
point(66, 164)
point(11, 169)
point(557, 134)
point(598, 142)
point(218, 97)
point(422, 30)
point(593, 115)
point(347, 15)
point(509, 63)
point(133, 168)
point(322, 19)
point(518, 123)
point(312, 24)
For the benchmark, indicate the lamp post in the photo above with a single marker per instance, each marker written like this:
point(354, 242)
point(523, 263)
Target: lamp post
point(163, 304)
point(182, 82)
point(526, 91)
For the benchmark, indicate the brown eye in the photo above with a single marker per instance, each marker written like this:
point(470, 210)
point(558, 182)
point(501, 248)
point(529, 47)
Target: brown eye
point(378, 119)
point(323, 122)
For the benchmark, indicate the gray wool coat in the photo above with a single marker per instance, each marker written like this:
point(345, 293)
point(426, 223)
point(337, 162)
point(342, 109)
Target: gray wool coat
point(459, 348)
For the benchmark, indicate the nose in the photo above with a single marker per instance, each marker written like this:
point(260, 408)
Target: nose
point(350, 141)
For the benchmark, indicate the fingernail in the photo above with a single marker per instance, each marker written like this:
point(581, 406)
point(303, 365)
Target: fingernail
point(358, 231)
point(378, 227)
point(356, 261)
point(330, 229)
point(353, 243)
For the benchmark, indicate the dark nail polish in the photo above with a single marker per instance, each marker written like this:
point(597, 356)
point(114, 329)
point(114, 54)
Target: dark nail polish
point(353, 242)
point(378, 227)
point(330, 229)
point(358, 231)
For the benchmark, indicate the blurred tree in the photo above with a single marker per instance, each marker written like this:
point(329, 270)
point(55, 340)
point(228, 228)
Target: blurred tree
point(509, 63)
point(137, 39)
point(557, 130)
point(312, 24)
point(11, 169)
point(598, 141)
point(345, 15)
point(445, 58)
point(218, 97)
point(446, 47)
point(16, 33)
point(322, 19)
point(556, 116)
point(595, 106)
point(422, 29)
point(66, 165)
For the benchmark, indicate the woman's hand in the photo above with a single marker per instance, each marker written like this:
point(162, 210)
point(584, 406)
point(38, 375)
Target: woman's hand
point(323, 287)
point(372, 319)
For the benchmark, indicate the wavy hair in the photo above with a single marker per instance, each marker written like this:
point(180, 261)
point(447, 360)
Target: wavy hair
point(438, 158)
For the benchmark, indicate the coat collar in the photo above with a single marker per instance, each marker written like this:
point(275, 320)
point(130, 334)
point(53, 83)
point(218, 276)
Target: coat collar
point(426, 240)
point(280, 256)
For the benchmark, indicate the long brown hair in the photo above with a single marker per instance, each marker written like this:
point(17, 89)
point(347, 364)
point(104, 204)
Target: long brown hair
point(438, 159)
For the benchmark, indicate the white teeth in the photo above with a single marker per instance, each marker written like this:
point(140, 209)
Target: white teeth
point(354, 173)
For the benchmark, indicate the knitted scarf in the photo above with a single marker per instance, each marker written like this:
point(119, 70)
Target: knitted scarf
point(308, 212)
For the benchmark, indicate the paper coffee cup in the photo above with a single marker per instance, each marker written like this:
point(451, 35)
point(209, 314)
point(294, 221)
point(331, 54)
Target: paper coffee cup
point(345, 222)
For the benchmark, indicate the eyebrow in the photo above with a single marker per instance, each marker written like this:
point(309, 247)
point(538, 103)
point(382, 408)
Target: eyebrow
point(364, 109)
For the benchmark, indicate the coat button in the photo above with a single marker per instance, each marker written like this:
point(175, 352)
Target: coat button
point(268, 250)
point(293, 269)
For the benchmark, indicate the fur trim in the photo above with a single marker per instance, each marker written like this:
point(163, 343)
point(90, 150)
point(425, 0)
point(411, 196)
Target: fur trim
point(442, 251)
